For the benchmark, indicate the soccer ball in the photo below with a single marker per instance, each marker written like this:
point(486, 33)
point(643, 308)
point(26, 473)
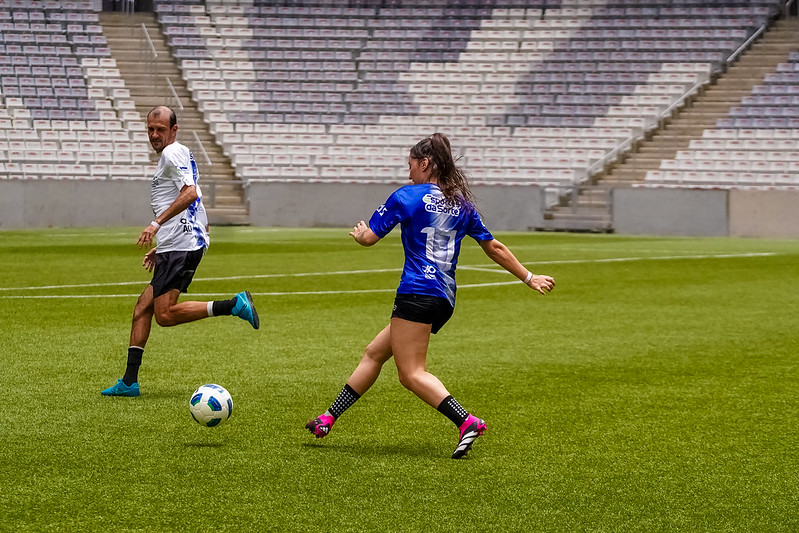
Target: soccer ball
point(210, 405)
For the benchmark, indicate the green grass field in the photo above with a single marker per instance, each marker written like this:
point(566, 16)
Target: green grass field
point(654, 390)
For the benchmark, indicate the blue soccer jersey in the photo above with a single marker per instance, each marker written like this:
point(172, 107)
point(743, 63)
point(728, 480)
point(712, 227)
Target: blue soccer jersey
point(432, 231)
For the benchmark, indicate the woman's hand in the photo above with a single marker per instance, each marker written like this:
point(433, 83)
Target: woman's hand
point(541, 283)
point(363, 234)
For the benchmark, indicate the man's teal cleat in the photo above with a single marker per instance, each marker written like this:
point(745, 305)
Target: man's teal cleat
point(245, 309)
point(120, 389)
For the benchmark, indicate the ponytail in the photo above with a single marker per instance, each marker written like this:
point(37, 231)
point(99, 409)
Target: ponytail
point(452, 179)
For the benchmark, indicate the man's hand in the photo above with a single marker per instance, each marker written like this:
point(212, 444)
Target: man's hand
point(187, 196)
point(145, 240)
point(149, 260)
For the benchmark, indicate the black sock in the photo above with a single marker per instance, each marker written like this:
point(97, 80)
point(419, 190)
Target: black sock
point(450, 408)
point(345, 399)
point(134, 362)
point(223, 307)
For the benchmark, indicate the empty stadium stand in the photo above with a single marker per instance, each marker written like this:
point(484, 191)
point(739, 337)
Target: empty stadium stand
point(64, 112)
point(755, 145)
point(542, 92)
point(529, 94)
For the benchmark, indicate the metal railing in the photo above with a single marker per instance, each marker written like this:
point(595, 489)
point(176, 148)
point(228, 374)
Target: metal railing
point(681, 101)
point(786, 9)
point(148, 55)
point(174, 95)
point(572, 197)
point(626, 145)
point(595, 203)
point(744, 46)
point(208, 185)
point(146, 36)
point(202, 148)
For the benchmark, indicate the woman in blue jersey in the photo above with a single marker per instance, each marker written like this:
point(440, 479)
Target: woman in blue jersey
point(435, 213)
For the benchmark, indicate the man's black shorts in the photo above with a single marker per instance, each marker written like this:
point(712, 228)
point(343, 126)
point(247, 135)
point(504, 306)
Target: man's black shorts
point(423, 309)
point(174, 270)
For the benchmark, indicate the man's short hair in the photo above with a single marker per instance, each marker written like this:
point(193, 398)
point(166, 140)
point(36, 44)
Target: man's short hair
point(157, 110)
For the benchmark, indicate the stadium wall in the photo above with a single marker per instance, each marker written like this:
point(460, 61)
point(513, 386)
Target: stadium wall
point(705, 212)
point(764, 214)
point(74, 203)
point(274, 203)
point(636, 211)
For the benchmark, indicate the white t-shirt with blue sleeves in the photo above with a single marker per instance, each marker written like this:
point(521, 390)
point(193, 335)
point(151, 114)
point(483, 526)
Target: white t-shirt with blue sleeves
point(432, 230)
point(188, 230)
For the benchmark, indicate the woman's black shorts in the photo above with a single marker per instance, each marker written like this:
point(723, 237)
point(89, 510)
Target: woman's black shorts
point(423, 309)
point(174, 270)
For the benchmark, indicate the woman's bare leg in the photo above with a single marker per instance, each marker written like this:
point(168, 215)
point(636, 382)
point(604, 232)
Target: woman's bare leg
point(409, 341)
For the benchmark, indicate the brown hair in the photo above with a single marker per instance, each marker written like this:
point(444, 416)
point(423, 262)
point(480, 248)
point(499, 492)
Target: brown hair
point(452, 180)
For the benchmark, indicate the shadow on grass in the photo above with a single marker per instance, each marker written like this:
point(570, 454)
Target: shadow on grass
point(149, 395)
point(171, 394)
point(374, 450)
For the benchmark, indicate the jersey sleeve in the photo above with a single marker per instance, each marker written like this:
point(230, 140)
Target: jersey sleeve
point(180, 163)
point(386, 216)
point(476, 229)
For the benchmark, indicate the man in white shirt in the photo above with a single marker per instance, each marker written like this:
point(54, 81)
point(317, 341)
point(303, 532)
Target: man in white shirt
point(180, 228)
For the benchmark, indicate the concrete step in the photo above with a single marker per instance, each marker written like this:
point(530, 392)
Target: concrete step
point(228, 217)
point(145, 77)
point(586, 209)
point(692, 120)
point(577, 222)
point(686, 128)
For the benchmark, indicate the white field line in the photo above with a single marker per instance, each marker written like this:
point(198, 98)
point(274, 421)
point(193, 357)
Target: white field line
point(225, 278)
point(480, 268)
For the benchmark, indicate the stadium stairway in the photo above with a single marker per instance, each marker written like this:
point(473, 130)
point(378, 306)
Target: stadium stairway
point(712, 104)
point(146, 78)
point(589, 209)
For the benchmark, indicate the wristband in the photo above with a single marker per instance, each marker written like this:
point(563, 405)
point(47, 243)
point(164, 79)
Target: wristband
point(155, 224)
point(528, 278)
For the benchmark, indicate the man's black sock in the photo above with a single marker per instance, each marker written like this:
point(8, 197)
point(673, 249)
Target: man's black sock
point(223, 307)
point(134, 362)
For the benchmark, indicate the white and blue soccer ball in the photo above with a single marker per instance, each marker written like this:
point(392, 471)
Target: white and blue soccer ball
point(210, 405)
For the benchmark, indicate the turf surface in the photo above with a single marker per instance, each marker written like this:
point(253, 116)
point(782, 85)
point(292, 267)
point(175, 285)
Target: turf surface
point(654, 390)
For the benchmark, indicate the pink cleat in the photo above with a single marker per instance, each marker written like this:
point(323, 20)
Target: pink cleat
point(320, 426)
point(469, 431)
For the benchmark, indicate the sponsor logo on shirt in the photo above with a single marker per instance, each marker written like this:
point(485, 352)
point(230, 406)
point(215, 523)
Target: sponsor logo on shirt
point(438, 204)
point(429, 271)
